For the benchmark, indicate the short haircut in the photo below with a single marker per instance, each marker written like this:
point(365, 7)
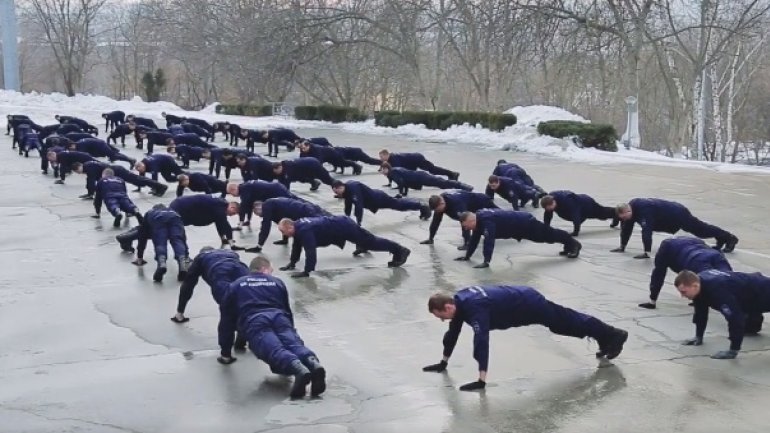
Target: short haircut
point(434, 201)
point(237, 205)
point(182, 177)
point(337, 183)
point(686, 278)
point(169, 140)
point(259, 263)
point(465, 216)
point(547, 200)
point(386, 166)
point(241, 156)
point(384, 152)
point(622, 208)
point(108, 172)
point(493, 179)
point(277, 165)
point(438, 301)
point(206, 248)
point(286, 222)
point(501, 161)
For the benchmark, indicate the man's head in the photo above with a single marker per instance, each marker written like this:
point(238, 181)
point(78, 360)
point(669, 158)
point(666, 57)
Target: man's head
point(548, 203)
point(384, 155)
point(232, 208)
point(468, 220)
point(442, 306)
point(501, 162)
point(170, 142)
point(385, 168)
point(623, 211)
point(257, 208)
point(51, 156)
point(206, 154)
point(163, 114)
point(227, 154)
point(261, 264)
point(688, 284)
point(140, 167)
point(232, 189)
point(304, 145)
point(265, 134)
point(131, 125)
point(244, 133)
point(77, 167)
point(104, 115)
point(205, 249)
point(183, 180)
point(277, 168)
point(70, 145)
point(171, 149)
point(286, 227)
point(493, 182)
point(338, 187)
point(241, 160)
point(108, 172)
point(437, 204)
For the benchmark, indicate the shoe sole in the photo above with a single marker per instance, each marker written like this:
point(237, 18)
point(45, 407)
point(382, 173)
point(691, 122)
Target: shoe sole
point(158, 275)
point(300, 384)
point(318, 385)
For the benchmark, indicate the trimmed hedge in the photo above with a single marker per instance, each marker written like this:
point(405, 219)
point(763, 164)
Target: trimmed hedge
point(245, 110)
point(444, 119)
point(329, 113)
point(602, 137)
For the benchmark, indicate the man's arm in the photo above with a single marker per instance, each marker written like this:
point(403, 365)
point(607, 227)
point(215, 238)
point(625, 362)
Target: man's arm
point(474, 242)
point(228, 320)
point(547, 217)
point(358, 203)
point(489, 241)
point(188, 285)
point(223, 227)
point(647, 225)
point(309, 245)
point(98, 198)
point(626, 228)
point(434, 224)
point(451, 336)
point(658, 275)
point(265, 226)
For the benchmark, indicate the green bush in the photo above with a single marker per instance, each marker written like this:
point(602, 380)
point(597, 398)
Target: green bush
point(602, 137)
point(444, 119)
point(245, 110)
point(329, 113)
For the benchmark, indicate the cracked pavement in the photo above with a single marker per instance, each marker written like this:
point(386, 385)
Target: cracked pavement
point(88, 345)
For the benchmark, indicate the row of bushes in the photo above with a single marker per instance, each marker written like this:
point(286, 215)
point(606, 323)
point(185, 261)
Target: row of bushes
point(245, 110)
point(602, 137)
point(329, 113)
point(444, 119)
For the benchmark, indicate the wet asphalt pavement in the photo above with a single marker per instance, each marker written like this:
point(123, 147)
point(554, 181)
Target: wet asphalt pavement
point(87, 345)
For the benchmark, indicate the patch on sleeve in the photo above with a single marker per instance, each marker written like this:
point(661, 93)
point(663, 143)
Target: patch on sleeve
point(726, 310)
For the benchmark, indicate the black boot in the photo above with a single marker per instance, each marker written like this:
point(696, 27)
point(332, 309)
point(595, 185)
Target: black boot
point(612, 345)
point(400, 258)
point(317, 376)
point(302, 378)
point(574, 251)
point(314, 186)
point(160, 271)
point(731, 243)
point(118, 219)
point(425, 212)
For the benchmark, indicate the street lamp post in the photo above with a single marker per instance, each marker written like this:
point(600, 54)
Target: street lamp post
point(632, 122)
point(10, 45)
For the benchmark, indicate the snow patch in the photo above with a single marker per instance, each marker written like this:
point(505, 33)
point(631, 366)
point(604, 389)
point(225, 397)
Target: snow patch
point(533, 114)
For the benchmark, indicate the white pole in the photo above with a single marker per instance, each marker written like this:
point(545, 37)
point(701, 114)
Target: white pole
point(10, 48)
point(702, 116)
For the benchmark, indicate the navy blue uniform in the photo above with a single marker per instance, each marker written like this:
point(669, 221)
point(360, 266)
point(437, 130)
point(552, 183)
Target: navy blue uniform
point(175, 130)
point(113, 119)
point(234, 132)
point(415, 161)
point(514, 191)
point(192, 139)
point(66, 158)
point(50, 144)
point(99, 148)
point(218, 160)
point(30, 141)
point(276, 209)
point(330, 155)
point(577, 208)
point(510, 224)
point(357, 154)
point(456, 203)
point(282, 137)
point(66, 128)
point(406, 179)
point(146, 124)
point(120, 131)
point(112, 191)
point(173, 120)
point(359, 196)
point(188, 153)
point(48, 130)
point(163, 164)
point(513, 171)
point(208, 129)
point(666, 216)
point(487, 308)
point(82, 124)
point(259, 190)
point(257, 168)
point(205, 183)
point(305, 170)
point(258, 306)
point(740, 297)
point(311, 233)
point(137, 180)
point(14, 120)
point(163, 225)
point(684, 253)
point(252, 136)
point(156, 138)
point(218, 268)
point(202, 210)
point(93, 171)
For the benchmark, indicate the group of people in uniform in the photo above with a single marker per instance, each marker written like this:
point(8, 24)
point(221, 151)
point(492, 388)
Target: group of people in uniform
point(254, 304)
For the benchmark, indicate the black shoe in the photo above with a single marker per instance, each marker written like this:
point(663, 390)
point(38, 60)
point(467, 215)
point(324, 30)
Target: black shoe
point(59, 182)
point(358, 252)
point(318, 377)
point(400, 258)
point(315, 185)
point(299, 389)
point(731, 243)
point(158, 275)
point(117, 221)
point(563, 253)
point(240, 344)
point(612, 347)
point(86, 197)
point(357, 169)
point(181, 276)
point(615, 222)
point(281, 242)
point(126, 246)
point(575, 251)
point(160, 190)
point(454, 176)
point(425, 212)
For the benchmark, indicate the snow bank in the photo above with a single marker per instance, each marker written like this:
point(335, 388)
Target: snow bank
point(522, 137)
